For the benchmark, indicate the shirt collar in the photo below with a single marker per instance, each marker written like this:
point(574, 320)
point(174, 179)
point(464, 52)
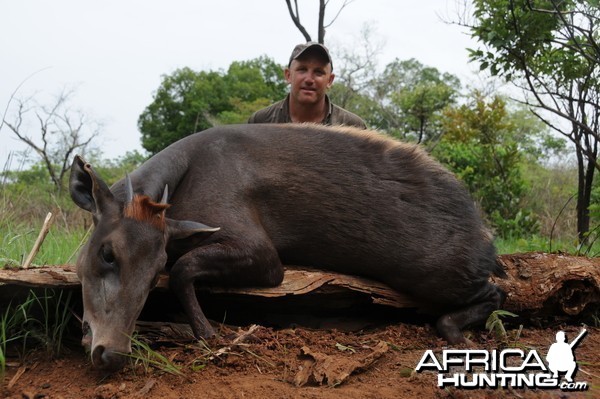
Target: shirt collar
point(285, 109)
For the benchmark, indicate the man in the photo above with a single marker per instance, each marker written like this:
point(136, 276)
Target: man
point(560, 356)
point(310, 75)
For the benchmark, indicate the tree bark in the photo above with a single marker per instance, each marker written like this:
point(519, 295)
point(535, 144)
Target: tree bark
point(538, 284)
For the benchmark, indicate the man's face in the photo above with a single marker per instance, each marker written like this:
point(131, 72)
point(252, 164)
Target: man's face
point(309, 76)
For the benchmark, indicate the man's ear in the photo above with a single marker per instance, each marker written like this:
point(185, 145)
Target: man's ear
point(88, 190)
point(331, 79)
point(288, 75)
point(179, 229)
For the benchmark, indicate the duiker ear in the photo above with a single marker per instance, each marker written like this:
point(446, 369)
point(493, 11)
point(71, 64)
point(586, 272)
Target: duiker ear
point(87, 189)
point(179, 229)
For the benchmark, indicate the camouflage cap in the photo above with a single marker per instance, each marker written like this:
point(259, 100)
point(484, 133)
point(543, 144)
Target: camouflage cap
point(302, 48)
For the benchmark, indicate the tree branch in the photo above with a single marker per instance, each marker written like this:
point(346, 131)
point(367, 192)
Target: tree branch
point(346, 3)
point(14, 93)
point(61, 132)
point(295, 15)
point(321, 27)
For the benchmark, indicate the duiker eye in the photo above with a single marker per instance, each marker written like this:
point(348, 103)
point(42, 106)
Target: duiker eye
point(107, 255)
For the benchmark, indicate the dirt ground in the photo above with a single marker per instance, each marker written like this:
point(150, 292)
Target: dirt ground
point(291, 363)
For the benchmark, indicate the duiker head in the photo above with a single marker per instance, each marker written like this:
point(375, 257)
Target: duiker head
point(121, 262)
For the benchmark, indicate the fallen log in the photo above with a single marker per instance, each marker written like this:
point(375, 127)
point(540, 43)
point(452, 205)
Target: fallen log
point(538, 284)
point(550, 284)
point(297, 281)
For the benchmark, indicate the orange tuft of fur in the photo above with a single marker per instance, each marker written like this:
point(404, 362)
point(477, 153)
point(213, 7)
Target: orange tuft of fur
point(143, 209)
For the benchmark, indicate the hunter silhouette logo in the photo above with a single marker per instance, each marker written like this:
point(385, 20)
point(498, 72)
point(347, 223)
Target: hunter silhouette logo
point(560, 355)
point(507, 368)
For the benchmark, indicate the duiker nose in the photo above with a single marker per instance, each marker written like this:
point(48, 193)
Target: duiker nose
point(106, 359)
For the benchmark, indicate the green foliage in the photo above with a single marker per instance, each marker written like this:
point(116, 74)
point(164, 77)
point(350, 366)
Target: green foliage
point(187, 101)
point(254, 79)
point(479, 146)
point(549, 48)
point(421, 106)
point(512, 30)
point(595, 202)
point(37, 175)
point(413, 97)
point(23, 208)
point(11, 330)
point(551, 197)
point(115, 169)
point(371, 111)
point(534, 243)
point(25, 199)
point(180, 107)
point(532, 136)
point(143, 355)
point(60, 246)
point(49, 326)
point(590, 246)
point(242, 110)
point(495, 324)
point(40, 320)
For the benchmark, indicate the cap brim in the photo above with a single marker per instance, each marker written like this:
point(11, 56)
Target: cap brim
point(312, 47)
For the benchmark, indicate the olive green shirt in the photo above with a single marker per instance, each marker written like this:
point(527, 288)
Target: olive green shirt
point(280, 113)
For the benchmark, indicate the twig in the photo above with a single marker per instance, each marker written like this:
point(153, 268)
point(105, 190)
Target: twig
point(16, 377)
point(245, 335)
point(40, 239)
point(14, 93)
point(143, 393)
point(238, 341)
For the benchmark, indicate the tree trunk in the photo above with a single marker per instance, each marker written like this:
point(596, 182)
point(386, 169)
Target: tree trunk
point(584, 190)
point(583, 222)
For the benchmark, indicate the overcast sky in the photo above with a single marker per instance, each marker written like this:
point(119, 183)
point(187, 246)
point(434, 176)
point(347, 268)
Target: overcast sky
point(113, 52)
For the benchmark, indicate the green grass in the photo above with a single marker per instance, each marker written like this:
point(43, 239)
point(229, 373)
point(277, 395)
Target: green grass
point(144, 356)
point(39, 320)
point(59, 247)
point(61, 244)
point(48, 327)
point(22, 213)
point(543, 244)
point(11, 331)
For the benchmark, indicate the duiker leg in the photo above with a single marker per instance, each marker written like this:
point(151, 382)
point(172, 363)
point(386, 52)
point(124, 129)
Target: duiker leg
point(222, 264)
point(449, 325)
